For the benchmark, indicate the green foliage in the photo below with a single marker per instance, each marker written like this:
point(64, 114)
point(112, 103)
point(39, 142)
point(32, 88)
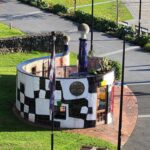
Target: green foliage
point(59, 9)
point(142, 40)
point(73, 58)
point(108, 65)
point(124, 30)
point(25, 1)
point(103, 10)
point(117, 66)
point(16, 135)
point(147, 47)
point(100, 24)
point(42, 4)
point(6, 31)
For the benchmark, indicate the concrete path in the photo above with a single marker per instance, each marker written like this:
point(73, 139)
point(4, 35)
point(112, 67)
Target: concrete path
point(98, 3)
point(133, 6)
point(32, 20)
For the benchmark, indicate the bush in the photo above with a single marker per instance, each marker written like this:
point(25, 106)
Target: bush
point(117, 66)
point(59, 9)
point(25, 1)
point(147, 47)
point(100, 24)
point(125, 30)
point(142, 40)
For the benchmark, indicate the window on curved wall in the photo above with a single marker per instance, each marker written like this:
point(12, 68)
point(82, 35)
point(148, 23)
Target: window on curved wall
point(33, 70)
point(60, 112)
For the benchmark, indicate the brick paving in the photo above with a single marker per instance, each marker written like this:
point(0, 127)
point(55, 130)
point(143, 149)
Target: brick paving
point(109, 132)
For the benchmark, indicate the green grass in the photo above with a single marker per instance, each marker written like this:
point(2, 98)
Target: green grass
point(16, 135)
point(70, 3)
point(5, 31)
point(106, 10)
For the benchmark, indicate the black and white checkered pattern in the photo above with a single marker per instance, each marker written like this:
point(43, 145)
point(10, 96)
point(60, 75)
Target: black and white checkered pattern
point(33, 101)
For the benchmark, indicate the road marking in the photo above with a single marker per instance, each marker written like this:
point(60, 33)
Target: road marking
point(119, 51)
point(138, 83)
point(87, 5)
point(23, 15)
point(143, 116)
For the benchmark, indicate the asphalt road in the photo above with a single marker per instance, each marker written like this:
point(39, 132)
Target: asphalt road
point(137, 67)
point(140, 138)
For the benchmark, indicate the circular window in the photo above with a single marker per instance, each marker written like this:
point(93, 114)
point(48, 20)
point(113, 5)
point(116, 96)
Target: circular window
point(77, 88)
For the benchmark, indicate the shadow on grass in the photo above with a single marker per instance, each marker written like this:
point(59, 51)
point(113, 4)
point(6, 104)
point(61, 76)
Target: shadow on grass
point(8, 121)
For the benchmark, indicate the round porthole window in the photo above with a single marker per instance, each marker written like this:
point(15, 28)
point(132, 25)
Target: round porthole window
point(77, 88)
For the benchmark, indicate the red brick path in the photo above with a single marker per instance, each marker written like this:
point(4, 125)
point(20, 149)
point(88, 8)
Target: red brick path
point(109, 132)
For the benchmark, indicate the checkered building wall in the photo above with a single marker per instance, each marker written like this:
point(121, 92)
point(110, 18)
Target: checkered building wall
point(32, 101)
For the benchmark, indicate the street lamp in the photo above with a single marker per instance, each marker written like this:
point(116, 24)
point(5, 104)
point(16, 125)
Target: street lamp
point(83, 60)
point(75, 5)
point(140, 8)
point(92, 23)
point(121, 95)
point(117, 12)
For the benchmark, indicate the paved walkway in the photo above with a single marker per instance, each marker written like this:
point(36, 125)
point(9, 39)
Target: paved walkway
point(109, 132)
point(97, 3)
point(133, 6)
point(140, 138)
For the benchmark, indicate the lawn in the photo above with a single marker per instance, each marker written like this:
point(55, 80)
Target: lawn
point(108, 11)
point(103, 10)
point(17, 135)
point(5, 31)
point(70, 3)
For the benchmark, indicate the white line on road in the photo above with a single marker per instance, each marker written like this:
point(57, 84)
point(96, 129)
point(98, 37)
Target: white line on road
point(119, 51)
point(138, 83)
point(87, 5)
point(143, 116)
point(23, 15)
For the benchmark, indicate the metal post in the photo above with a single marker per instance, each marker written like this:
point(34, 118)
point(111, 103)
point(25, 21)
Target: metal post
point(140, 8)
point(121, 96)
point(52, 112)
point(107, 102)
point(43, 69)
point(117, 12)
point(75, 5)
point(52, 133)
point(92, 23)
point(10, 24)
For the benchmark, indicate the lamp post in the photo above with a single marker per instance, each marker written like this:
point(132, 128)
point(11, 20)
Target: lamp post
point(75, 5)
point(140, 8)
point(66, 40)
point(84, 30)
point(117, 12)
point(92, 23)
point(52, 87)
point(121, 96)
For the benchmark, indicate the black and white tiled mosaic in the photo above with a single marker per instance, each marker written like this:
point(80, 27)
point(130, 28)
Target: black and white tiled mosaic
point(33, 101)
